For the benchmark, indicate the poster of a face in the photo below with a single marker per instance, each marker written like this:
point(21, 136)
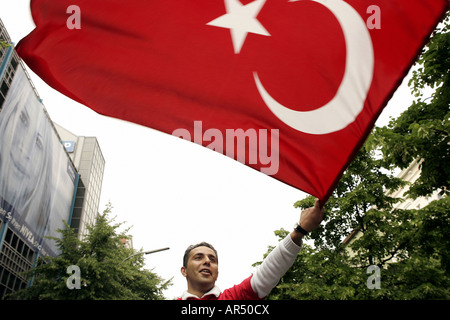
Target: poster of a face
point(37, 179)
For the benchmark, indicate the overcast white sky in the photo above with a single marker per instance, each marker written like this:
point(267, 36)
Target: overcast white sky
point(174, 193)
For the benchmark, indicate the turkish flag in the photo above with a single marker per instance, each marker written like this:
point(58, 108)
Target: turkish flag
point(290, 88)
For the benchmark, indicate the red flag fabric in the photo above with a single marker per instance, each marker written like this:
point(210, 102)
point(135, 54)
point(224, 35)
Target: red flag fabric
point(290, 88)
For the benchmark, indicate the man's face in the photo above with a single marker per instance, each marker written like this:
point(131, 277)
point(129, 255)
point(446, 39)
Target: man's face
point(202, 268)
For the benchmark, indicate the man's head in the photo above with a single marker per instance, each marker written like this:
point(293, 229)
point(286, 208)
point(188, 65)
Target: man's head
point(200, 267)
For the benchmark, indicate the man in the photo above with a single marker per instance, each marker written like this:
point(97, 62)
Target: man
point(200, 265)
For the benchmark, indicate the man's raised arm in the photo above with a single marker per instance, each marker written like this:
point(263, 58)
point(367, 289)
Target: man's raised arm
point(278, 262)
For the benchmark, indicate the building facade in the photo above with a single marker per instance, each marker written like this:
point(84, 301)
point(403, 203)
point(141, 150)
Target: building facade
point(411, 174)
point(16, 256)
point(87, 156)
point(43, 181)
point(8, 64)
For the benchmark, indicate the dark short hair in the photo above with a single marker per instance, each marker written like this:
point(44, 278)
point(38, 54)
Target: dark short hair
point(191, 247)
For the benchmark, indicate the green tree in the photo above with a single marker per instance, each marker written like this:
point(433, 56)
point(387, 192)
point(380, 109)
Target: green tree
point(422, 131)
point(4, 44)
point(317, 275)
point(328, 270)
point(409, 247)
point(361, 190)
point(104, 273)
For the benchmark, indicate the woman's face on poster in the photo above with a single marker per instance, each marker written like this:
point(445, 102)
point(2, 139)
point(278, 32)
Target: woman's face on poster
point(27, 147)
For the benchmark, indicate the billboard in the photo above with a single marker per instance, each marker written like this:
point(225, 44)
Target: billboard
point(37, 178)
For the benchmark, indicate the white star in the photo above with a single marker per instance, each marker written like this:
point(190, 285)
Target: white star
point(241, 20)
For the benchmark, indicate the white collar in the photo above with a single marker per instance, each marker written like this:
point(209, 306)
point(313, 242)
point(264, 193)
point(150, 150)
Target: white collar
point(214, 291)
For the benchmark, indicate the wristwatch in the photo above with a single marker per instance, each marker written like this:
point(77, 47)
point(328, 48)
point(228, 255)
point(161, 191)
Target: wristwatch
point(300, 229)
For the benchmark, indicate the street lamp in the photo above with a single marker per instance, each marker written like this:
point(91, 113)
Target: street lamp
point(146, 252)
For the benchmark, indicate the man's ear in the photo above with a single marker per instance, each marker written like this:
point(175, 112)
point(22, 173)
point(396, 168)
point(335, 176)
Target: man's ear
point(183, 271)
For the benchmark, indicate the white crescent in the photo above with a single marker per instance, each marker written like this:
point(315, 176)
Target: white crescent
point(352, 93)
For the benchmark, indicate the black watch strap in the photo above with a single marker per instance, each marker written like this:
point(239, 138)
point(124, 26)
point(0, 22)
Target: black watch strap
point(300, 229)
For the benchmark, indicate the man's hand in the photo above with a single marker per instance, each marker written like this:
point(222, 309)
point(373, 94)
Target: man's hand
point(310, 219)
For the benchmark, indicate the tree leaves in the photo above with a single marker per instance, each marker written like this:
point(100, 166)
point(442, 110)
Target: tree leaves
point(104, 274)
point(423, 131)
